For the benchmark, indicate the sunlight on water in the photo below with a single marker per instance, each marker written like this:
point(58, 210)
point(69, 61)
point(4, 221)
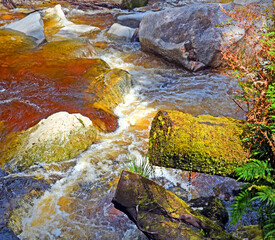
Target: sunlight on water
point(78, 205)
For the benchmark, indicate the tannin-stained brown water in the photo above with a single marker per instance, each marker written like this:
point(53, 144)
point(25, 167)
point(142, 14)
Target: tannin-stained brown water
point(78, 206)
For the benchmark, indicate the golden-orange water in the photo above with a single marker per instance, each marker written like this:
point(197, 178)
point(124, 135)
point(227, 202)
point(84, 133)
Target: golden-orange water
point(37, 83)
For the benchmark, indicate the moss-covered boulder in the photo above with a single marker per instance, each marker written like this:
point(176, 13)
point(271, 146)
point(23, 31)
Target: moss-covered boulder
point(200, 144)
point(108, 88)
point(131, 4)
point(60, 137)
point(160, 214)
point(251, 232)
point(211, 207)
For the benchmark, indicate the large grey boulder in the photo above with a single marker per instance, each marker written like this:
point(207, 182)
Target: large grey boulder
point(32, 26)
point(191, 35)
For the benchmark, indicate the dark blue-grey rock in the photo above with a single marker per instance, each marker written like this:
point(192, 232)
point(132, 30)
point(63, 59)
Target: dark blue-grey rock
point(131, 20)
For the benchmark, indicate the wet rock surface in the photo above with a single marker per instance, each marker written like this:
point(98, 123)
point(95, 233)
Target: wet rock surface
point(120, 32)
point(12, 190)
point(228, 190)
point(212, 208)
point(159, 213)
point(32, 26)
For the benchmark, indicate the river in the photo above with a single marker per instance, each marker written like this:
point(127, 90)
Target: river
point(78, 205)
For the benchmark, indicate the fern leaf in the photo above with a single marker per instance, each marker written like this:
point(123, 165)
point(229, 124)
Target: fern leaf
point(254, 170)
point(266, 195)
point(240, 205)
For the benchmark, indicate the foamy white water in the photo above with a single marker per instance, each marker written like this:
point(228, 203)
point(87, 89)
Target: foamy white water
point(79, 205)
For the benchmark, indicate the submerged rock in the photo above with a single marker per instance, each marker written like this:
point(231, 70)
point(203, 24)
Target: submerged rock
point(32, 26)
point(160, 214)
point(199, 144)
point(67, 49)
point(191, 35)
point(13, 42)
point(60, 137)
point(109, 88)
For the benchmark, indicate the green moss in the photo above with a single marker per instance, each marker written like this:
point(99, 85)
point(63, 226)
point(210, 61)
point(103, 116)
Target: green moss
point(251, 232)
point(19, 157)
point(108, 88)
point(157, 210)
point(204, 143)
point(131, 4)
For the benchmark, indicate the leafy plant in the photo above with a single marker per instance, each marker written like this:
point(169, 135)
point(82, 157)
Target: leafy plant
point(259, 192)
point(139, 166)
point(252, 63)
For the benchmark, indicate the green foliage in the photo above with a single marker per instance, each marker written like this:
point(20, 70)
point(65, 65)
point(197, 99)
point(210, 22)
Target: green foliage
point(139, 166)
point(260, 192)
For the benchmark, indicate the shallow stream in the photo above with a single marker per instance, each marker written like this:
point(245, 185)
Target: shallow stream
point(78, 203)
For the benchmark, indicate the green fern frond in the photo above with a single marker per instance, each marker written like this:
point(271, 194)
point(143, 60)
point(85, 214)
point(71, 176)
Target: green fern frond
point(269, 228)
point(266, 195)
point(255, 170)
point(240, 205)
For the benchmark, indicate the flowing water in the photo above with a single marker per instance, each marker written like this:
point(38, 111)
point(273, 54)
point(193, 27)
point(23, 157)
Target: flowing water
point(78, 204)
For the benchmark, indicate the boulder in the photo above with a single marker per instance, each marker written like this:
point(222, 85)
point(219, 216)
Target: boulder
point(120, 32)
point(190, 36)
point(57, 16)
point(108, 88)
point(57, 26)
point(16, 190)
point(131, 20)
point(68, 49)
point(199, 144)
point(160, 214)
point(76, 30)
point(32, 26)
point(211, 207)
point(13, 42)
point(228, 190)
point(251, 232)
point(60, 137)
point(129, 4)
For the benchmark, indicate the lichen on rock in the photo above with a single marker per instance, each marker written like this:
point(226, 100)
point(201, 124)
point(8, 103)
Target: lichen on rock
point(202, 144)
point(60, 137)
point(159, 213)
point(108, 88)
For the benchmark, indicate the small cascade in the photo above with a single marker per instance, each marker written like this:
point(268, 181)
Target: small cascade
point(78, 204)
